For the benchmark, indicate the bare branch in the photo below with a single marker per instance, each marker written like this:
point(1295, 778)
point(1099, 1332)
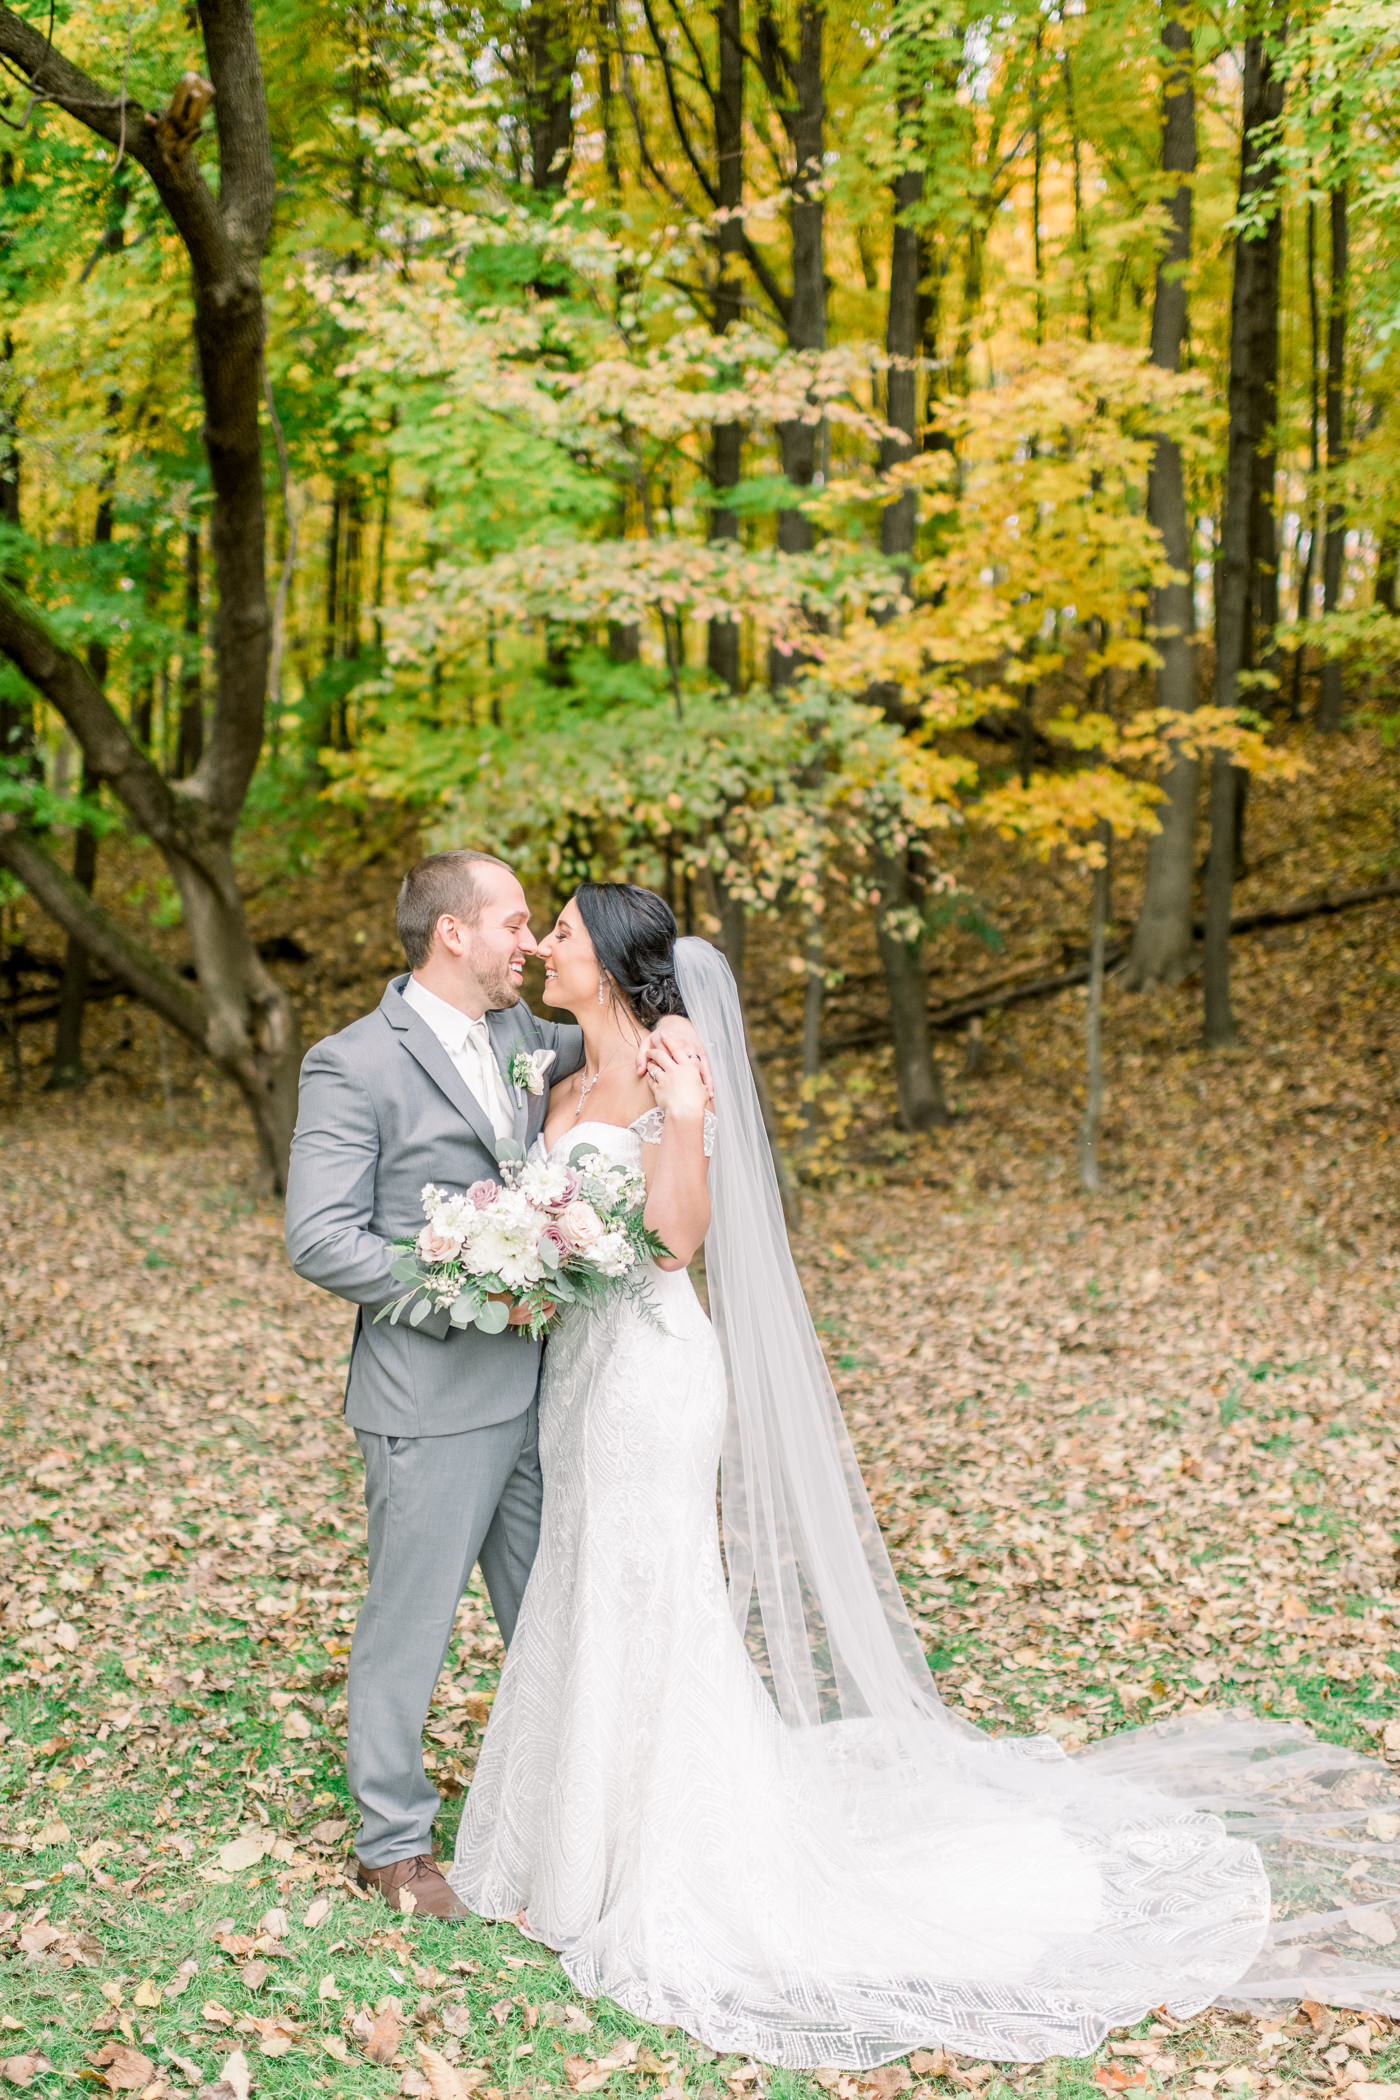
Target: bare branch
point(778, 299)
point(702, 70)
point(113, 116)
point(105, 941)
point(66, 683)
point(677, 108)
point(629, 96)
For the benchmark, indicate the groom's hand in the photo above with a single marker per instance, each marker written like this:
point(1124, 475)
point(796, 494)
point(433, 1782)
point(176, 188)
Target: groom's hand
point(521, 1315)
point(679, 1037)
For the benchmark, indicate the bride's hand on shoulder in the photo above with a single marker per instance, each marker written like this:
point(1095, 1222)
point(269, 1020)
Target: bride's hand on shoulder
point(678, 1080)
point(677, 1036)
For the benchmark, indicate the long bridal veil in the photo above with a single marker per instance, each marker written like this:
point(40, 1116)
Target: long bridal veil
point(1214, 1857)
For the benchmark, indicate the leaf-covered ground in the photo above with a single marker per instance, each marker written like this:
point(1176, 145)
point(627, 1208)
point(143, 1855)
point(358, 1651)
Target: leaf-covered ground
point(1131, 1452)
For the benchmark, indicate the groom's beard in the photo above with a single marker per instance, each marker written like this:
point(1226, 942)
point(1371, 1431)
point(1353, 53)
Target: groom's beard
point(497, 986)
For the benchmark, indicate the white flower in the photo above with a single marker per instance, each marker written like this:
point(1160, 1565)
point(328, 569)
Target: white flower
point(504, 1241)
point(612, 1256)
point(528, 1069)
point(544, 1183)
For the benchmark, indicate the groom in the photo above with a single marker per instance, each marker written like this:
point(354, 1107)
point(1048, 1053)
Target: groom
point(420, 1091)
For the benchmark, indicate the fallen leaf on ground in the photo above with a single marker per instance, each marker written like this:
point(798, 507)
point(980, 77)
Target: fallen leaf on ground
point(445, 2081)
point(583, 2074)
point(888, 2079)
point(623, 2052)
point(383, 2035)
point(276, 2035)
point(123, 2069)
point(241, 1853)
point(234, 2082)
point(23, 2070)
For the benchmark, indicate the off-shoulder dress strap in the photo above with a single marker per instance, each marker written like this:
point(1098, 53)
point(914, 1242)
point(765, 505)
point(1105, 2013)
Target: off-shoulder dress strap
point(652, 1122)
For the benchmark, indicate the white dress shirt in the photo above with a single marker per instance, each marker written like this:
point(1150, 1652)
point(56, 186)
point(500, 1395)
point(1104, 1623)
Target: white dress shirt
point(468, 1044)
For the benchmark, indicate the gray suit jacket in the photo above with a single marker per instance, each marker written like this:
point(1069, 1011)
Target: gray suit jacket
point(383, 1109)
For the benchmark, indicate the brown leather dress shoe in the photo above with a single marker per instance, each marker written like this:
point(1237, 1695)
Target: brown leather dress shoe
point(420, 1879)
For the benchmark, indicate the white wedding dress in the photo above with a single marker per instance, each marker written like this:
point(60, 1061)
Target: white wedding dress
point(838, 1890)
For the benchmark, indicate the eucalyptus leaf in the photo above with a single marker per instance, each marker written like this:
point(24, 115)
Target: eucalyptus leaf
point(493, 1317)
point(420, 1312)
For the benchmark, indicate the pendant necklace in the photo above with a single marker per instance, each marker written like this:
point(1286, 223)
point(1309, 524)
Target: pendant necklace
point(586, 1085)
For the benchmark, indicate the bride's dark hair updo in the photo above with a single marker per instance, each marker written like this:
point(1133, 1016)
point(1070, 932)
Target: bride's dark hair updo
point(633, 932)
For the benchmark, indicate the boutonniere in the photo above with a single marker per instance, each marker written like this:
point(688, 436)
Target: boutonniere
point(528, 1069)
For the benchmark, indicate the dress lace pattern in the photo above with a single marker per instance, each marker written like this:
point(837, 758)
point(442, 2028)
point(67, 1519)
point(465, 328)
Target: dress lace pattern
point(801, 1894)
point(650, 1126)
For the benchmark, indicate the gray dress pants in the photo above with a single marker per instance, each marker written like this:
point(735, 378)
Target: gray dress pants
point(437, 1505)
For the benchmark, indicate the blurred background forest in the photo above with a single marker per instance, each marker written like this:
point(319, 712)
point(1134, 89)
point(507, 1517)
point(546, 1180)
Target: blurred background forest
point(915, 484)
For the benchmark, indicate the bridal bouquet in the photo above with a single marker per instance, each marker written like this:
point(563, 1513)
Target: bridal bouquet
point(546, 1233)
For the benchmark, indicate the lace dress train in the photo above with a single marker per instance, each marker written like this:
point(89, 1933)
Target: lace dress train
point(832, 1894)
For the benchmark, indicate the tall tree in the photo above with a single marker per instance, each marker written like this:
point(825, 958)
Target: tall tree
point(1253, 378)
point(899, 862)
point(189, 745)
point(794, 76)
point(66, 1070)
point(238, 1013)
point(551, 52)
point(1163, 941)
point(1329, 703)
point(727, 439)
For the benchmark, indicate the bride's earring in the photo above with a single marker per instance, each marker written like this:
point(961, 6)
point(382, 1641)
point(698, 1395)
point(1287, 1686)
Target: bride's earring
point(602, 983)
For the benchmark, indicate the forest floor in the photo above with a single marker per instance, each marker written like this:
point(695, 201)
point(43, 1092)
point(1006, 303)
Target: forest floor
point(1134, 1453)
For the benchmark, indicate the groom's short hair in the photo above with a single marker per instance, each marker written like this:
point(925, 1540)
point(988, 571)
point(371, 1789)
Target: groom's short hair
point(442, 882)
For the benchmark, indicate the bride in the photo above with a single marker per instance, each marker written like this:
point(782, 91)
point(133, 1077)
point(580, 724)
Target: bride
point(718, 1778)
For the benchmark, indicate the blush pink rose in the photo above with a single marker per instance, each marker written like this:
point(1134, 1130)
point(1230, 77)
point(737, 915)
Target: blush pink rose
point(580, 1226)
point(559, 1241)
point(483, 1193)
point(436, 1245)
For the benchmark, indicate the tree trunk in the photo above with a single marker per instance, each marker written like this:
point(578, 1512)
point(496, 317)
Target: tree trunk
point(1309, 562)
point(813, 999)
point(1162, 939)
point(1093, 1020)
point(727, 439)
point(919, 1091)
point(1329, 705)
point(1253, 365)
point(16, 714)
point(67, 1069)
point(238, 1014)
point(189, 748)
point(1388, 567)
point(796, 83)
point(552, 50)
